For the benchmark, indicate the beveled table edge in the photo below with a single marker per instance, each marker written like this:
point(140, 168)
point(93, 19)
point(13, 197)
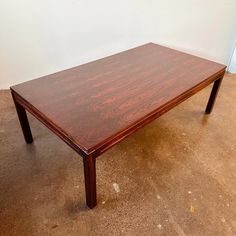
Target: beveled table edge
point(49, 123)
point(106, 144)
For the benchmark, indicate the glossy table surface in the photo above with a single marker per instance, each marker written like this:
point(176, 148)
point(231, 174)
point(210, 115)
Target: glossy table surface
point(97, 104)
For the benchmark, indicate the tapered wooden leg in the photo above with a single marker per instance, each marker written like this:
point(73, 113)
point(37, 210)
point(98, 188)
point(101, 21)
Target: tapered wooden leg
point(214, 92)
point(23, 121)
point(90, 181)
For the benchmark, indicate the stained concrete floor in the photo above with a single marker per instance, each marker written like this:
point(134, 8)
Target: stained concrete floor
point(176, 176)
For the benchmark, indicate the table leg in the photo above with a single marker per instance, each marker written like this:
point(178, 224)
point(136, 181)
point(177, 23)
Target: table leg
point(90, 181)
point(214, 92)
point(23, 121)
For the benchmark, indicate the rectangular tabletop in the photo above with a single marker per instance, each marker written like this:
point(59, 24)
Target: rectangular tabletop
point(95, 105)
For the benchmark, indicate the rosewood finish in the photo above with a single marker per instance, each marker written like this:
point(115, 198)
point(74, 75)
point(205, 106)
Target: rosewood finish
point(23, 121)
point(94, 106)
point(213, 95)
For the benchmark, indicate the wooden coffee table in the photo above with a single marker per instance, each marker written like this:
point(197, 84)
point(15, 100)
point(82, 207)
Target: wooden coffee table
point(96, 105)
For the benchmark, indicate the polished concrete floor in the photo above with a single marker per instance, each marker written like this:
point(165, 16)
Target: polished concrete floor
point(176, 176)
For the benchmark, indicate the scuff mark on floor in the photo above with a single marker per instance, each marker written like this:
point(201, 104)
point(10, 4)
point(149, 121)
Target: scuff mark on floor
point(116, 187)
point(177, 227)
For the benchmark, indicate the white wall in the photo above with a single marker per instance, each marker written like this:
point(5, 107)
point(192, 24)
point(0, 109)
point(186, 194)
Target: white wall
point(41, 37)
point(232, 66)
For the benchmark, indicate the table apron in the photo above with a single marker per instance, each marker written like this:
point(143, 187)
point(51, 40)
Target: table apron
point(107, 144)
point(50, 125)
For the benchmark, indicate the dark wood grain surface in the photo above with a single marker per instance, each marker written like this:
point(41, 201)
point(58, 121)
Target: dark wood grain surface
point(95, 105)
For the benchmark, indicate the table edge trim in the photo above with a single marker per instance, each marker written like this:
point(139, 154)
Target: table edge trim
point(106, 144)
